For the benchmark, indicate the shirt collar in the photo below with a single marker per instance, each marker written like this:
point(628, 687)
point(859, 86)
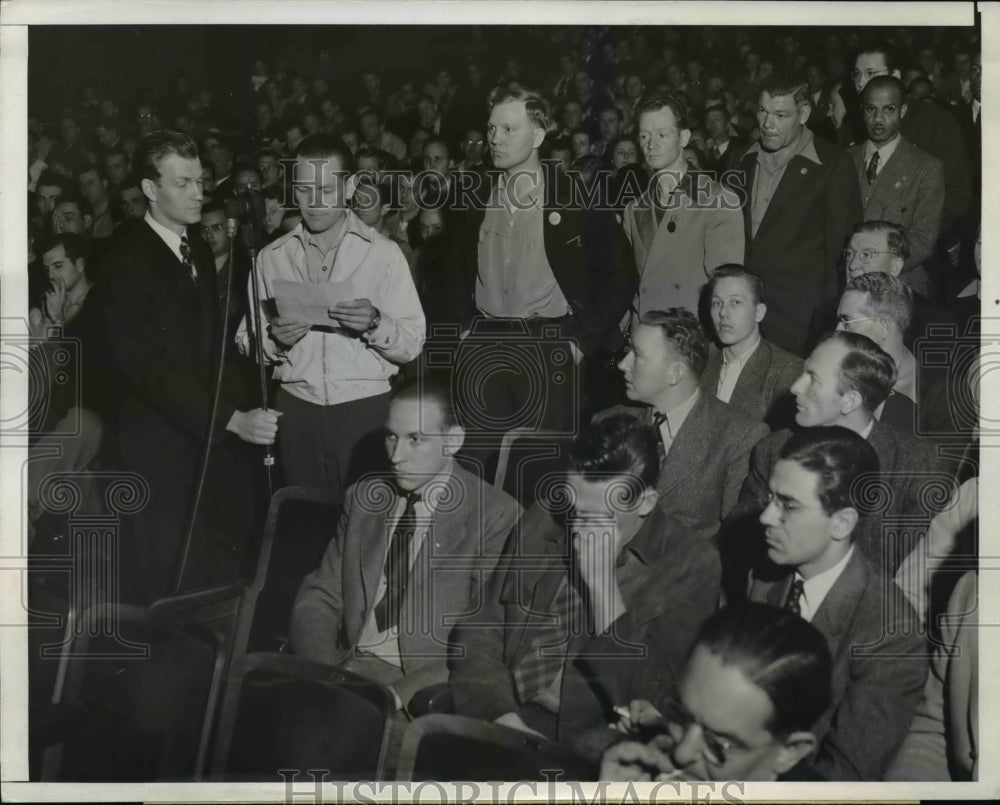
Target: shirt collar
point(816, 589)
point(972, 289)
point(533, 197)
point(885, 150)
point(867, 431)
point(351, 227)
point(168, 236)
point(806, 148)
point(436, 489)
point(677, 415)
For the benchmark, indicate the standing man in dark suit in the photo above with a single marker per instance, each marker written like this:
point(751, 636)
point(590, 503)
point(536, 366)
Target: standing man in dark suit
point(899, 182)
point(879, 664)
point(801, 201)
point(388, 588)
point(704, 443)
point(538, 261)
point(591, 605)
point(749, 372)
point(160, 311)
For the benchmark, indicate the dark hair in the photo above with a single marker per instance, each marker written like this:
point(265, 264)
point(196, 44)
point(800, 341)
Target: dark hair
point(888, 296)
point(885, 82)
point(70, 196)
point(538, 108)
point(755, 281)
point(214, 205)
point(683, 334)
point(839, 457)
point(324, 146)
point(895, 236)
point(155, 147)
point(778, 85)
point(866, 368)
point(50, 178)
point(130, 181)
point(677, 102)
point(434, 139)
point(619, 446)
point(613, 108)
point(779, 652)
point(426, 387)
point(117, 151)
point(75, 246)
point(886, 50)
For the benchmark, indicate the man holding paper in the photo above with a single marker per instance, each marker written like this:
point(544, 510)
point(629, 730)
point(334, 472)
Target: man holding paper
point(340, 314)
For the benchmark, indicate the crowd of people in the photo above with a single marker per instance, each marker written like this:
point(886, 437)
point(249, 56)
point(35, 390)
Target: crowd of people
point(709, 263)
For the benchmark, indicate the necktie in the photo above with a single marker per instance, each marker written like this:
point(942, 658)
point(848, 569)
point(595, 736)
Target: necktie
point(658, 419)
point(188, 261)
point(397, 566)
point(794, 594)
point(873, 168)
point(537, 670)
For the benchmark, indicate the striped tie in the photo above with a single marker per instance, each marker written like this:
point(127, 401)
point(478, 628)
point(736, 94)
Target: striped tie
point(188, 261)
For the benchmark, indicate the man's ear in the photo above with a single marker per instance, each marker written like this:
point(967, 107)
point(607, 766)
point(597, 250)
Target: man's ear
point(539, 137)
point(793, 749)
point(843, 522)
point(896, 266)
point(760, 311)
point(685, 137)
point(149, 189)
point(850, 402)
point(804, 113)
point(454, 439)
point(902, 110)
point(647, 502)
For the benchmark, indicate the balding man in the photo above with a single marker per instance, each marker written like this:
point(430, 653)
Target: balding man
point(899, 182)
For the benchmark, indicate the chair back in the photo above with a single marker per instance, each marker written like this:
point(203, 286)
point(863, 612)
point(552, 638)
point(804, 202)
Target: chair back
point(532, 463)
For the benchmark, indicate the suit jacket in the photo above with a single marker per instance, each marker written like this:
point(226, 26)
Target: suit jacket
point(906, 463)
point(164, 333)
point(879, 669)
point(700, 230)
point(467, 533)
point(674, 589)
point(700, 478)
point(763, 387)
point(798, 245)
point(908, 191)
point(587, 251)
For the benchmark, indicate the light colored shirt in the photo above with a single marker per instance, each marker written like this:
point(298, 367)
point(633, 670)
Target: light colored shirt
point(671, 426)
point(906, 377)
point(515, 279)
point(885, 151)
point(976, 106)
point(815, 590)
point(385, 645)
point(168, 236)
point(770, 169)
point(867, 430)
point(732, 368)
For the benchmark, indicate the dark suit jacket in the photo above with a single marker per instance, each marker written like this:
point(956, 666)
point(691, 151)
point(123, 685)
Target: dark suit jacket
point(675, 588)
point(908, 191)
point(589, 256)
point(906, 464)
point(164, 333)
point(762, 390)
point(707, 463)
point(468, 531)
point(798, 245)
point(879, 669)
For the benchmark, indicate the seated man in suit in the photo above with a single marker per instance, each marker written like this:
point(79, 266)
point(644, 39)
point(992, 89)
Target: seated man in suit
point(880, 306)
point(879, 664)
point(592, 610)
point(704, 442)
point(899, 182)
point(749, 372)
point(756, 683)
point(880, 247)
point(845, 380)
point(380, 600)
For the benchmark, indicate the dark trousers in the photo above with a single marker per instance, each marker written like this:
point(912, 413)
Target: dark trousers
point(331, 446)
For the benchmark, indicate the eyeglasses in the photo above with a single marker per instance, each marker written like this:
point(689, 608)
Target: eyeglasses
point(715, 749)
point(785, 508)
point(864, 255)
point(847, 323)
point(474, 142)
point(868, 75)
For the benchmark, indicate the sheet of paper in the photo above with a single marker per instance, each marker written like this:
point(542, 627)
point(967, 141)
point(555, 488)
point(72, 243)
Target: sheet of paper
point(310, 301)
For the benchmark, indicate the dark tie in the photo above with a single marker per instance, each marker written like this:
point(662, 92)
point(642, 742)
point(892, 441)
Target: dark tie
point(397, 566)
point(873, 168)
point(658, 419)
point(536, 671)
point(188, 261)
point(794, 594)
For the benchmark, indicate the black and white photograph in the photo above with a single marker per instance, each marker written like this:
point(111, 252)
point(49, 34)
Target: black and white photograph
point(497, 402)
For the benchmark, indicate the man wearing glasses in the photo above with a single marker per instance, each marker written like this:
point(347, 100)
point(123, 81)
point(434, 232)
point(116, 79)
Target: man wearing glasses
point(845, 382)
point(899, 182)
point(814, 571)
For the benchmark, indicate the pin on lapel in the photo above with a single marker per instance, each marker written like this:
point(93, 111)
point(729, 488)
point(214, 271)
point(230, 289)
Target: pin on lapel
point(555, 218)
point(574, 241)
point(805, 171)
point(672, 223)
point(898, 185)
